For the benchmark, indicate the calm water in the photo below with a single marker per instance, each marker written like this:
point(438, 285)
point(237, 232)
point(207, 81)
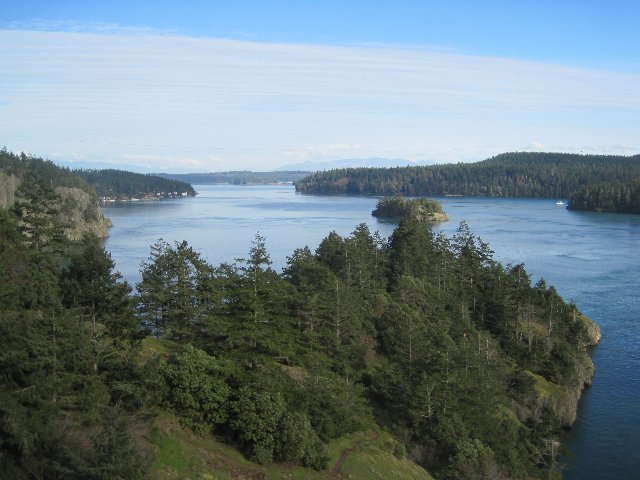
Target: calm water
point(591, 258)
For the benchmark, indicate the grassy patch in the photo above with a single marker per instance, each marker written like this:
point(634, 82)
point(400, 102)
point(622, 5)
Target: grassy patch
point(373, 458)
point(180, 454)
point(547, 389)
point(155, 347)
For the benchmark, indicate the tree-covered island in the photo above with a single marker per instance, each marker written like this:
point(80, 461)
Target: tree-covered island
point(398, 207)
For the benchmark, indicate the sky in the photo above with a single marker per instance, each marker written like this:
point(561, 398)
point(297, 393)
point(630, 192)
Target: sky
point(212, 85)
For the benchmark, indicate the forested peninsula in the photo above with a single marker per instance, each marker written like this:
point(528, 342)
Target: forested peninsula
point(119, 185)
point(420, 353)
point(520, 174)
point(609, 197)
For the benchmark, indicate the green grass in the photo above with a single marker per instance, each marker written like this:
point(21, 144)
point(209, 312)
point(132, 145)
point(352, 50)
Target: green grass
point(373, 458)
point(547, 389)
point(155, 347)
point(180, 454)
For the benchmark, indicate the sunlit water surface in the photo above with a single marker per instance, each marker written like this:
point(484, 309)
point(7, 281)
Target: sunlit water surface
point(591, 258)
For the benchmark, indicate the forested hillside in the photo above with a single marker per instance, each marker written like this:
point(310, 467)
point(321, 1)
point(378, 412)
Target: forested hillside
point(609, 197)
point(70, 198)
point(70, 392)
point(123, 185)
point(471, 369)
point(546, 175)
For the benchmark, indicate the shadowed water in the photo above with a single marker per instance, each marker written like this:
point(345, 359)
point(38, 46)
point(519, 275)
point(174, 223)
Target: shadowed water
point(591, 258)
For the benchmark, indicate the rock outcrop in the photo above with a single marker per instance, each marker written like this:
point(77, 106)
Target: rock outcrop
point(80, 213)
point(563, 400)
point(8, 186)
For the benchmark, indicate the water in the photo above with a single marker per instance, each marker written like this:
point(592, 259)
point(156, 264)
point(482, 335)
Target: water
point(591, 258)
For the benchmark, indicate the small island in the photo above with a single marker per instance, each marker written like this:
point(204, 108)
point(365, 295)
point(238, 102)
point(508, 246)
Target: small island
point(398, 207)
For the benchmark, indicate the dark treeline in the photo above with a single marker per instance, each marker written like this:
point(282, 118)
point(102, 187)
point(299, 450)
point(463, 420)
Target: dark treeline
point(243, 177)
point(120, 184)
point(19, 165)
point(609, 197)
point(546, 175)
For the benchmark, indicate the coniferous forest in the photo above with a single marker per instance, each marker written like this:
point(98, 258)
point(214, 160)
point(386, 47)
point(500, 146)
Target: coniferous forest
point(472, 369)
point(520, 174)
point(610, 197)
point(120, 184)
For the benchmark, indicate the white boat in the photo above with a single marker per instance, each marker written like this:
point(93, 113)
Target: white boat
point(559, 202)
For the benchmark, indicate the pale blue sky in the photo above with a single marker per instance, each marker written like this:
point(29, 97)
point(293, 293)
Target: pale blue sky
point(193, 86)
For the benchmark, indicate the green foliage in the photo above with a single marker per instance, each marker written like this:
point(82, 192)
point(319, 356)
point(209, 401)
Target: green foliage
point(520, 174)
point(90, 285)
point(22, 164)
point(174, 294)
point(255, 419)
point(335, 407)
point(122, 185)
point(115, 455)
point(617, 197)
point(36, 211)
point(298, 442)
point(66, 350)
point(195, 389)
point(398, 207)
point(462, 359)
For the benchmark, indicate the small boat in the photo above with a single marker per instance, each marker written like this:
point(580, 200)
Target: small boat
point(559, 202)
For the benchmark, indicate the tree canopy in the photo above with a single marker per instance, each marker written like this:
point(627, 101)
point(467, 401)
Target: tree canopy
point(472, 368)
point(519, 174)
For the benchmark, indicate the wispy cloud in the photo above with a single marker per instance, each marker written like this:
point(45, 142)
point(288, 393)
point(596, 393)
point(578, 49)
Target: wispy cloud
point(253, 105)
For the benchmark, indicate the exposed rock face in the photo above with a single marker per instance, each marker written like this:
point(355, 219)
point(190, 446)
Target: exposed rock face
point(593, 331)
point(564, 400)
point(80, 212)
point(8, 186)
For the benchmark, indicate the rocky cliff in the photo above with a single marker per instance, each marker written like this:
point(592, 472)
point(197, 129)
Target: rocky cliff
point(8, 186)
point(79, 211)
point(563, 400)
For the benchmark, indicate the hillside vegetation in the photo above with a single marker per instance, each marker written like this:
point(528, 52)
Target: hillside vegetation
point(543, 175)
point(71, 199)
point(122, 185)
point(609, 197)
point(420, 349)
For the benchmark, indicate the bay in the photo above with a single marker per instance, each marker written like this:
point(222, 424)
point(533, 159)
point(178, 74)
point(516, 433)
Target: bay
point(591, 258)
